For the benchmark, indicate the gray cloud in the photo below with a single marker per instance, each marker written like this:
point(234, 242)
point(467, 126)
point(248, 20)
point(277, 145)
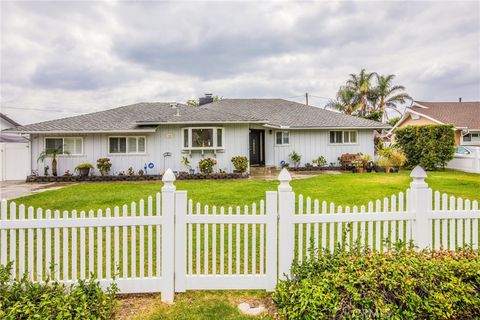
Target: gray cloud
point(85, 56)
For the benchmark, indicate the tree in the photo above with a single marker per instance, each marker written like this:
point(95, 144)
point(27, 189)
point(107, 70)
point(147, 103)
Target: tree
point(361, 85)
point(393, 121)
point(196, 102)
point(346, 101)
point(53, 153)
point(389, 95)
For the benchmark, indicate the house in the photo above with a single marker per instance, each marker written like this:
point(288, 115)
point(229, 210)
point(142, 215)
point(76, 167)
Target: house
point(160, 134)
point(14, 151)
point(464, 116)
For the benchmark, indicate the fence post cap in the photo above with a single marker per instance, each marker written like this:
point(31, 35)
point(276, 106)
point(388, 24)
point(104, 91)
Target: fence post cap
point(168, 178)
point(284, 177)
point(418, 175)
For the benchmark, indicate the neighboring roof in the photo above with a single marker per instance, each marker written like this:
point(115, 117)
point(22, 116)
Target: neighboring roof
point(289, 114)
point(462, 115)
point(12, 138)
point(144, 117)
point(10, 120)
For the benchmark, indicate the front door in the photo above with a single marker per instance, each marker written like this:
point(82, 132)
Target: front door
point(256, 147)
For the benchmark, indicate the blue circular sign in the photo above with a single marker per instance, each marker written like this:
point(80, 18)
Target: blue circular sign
point(151, 165)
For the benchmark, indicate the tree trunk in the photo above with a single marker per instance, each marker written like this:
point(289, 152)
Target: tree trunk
point(54, 167)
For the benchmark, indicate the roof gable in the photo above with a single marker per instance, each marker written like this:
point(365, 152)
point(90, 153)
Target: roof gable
point(459, 114)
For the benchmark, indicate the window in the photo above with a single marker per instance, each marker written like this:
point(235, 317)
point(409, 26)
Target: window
point(203, 138)
point(472, 137)
point(126, 144)
point(343, 137)
point(67, 145)
point(282, 138)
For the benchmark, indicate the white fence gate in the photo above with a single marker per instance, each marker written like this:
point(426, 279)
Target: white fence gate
point(169, 245)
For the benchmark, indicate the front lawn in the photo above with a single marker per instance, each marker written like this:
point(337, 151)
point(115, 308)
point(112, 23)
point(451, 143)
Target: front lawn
point(343, 189)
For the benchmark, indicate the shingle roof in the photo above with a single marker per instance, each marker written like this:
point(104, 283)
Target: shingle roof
point(284, 113)
point(145, 116)
point(459, 114)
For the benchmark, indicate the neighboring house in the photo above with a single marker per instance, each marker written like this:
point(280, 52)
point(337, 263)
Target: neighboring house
point(264, 130)
point(14, 152)
point(464, 116)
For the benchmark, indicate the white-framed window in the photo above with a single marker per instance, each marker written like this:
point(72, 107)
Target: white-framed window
point(67, 145)
point(128, 144)
point(198, 138)
point(343, 137)
point(473, 137)
point(282, 138)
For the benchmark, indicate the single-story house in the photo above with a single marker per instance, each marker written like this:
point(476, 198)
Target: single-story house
point(464, 116)
point(264, 130)
point(14, 151)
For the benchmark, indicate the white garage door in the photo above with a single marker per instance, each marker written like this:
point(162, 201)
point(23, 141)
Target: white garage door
point(15, 161)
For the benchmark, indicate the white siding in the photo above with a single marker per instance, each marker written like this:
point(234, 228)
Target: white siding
point(311, 144)
point(166, 139)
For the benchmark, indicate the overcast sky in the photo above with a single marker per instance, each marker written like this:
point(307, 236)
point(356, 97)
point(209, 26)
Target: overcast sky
point(78, 57)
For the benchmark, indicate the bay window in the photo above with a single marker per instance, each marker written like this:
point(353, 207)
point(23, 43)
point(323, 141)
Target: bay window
point(200, 138)
point(65, 145)
point(130, 144)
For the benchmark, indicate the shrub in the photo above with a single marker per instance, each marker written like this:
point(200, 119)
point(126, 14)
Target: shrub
point(206, 165)
point(240, 163)
point(24, 299)
point(400, 284)
point(430, 146)
point(295, 157)
point(320, 161)
point(104, 165)
point(391, 157)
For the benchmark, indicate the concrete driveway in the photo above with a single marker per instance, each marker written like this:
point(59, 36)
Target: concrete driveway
point(16, 189)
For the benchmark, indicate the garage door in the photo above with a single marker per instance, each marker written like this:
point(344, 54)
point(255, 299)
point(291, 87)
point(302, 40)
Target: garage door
point(15, 161)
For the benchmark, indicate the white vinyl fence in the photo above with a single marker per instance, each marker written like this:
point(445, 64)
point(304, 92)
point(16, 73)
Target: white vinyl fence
point(171, 244)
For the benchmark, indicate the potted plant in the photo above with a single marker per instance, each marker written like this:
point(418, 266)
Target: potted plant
point(186, 162)
point(104, 165)
point(358, 166)
point(397, 158)
point(385, 163)
point(83, 169)
point(296, 158)
point(240, 163)
point(130, 171)
point(53, 153)
point(206, 165)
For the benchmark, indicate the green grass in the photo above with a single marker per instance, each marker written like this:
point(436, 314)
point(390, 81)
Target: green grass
point(343, 189)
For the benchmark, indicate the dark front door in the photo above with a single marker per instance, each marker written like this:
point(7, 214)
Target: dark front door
point(256, 147)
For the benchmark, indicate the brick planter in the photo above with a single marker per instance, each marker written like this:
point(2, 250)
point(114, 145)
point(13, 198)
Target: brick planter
point(149, 177)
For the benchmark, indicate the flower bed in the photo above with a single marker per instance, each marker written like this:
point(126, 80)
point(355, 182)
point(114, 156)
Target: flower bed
point(148, 177)
point(314, 168)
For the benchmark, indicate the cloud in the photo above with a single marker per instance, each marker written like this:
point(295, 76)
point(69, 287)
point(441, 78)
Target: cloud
point(86, 56)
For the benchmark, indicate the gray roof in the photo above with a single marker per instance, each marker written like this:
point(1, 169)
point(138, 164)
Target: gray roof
point(284, 113)
point(9, 120)
point(146, 116)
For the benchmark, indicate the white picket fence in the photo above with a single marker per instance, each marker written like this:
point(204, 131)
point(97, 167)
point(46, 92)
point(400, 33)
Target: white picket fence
point(171, 244)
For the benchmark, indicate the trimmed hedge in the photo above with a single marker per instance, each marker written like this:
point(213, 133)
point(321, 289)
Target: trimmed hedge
point(430, 146)
point(401, 284)
point(24, 299)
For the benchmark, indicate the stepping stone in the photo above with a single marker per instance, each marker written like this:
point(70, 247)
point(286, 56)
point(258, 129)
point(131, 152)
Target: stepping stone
point(245, 308)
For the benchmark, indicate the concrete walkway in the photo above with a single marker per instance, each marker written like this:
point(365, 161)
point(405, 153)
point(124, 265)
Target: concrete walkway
point(16, 189)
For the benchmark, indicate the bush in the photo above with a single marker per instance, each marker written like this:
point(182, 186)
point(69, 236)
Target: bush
point(24, 299)
point(400, 284)
point(240, 163)
point(104, 165)
point(430, 146)
point(296, 158)
point(320, 161)
point(206, 165)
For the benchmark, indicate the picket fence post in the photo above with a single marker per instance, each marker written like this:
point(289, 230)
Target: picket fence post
point(420, 206)
point(272, 239)
point(168, 237)
point(180, 240)
point(286, 209)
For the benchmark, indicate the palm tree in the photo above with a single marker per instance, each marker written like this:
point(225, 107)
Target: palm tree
point(361, 85)
point(346, 101)
point(389, 95)
point(53, 153)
